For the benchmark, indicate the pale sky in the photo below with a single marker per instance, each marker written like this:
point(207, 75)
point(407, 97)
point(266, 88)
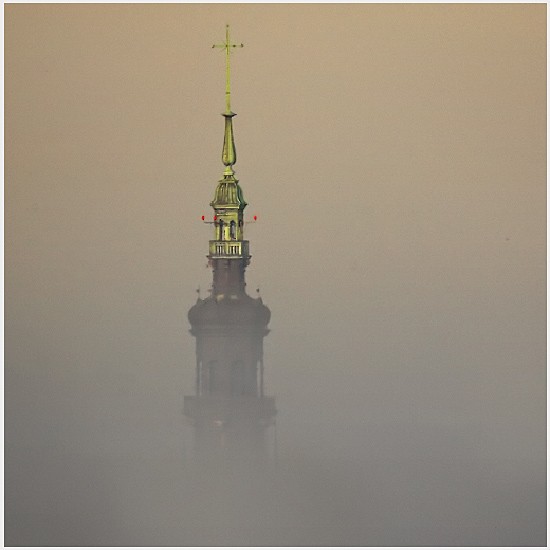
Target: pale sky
point(395, 155)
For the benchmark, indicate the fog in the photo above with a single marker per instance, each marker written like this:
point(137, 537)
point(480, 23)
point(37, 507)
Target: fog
point(395, 156)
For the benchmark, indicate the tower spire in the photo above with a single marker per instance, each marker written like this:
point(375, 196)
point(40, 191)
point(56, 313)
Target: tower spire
point(230, 411)
point(229, 153)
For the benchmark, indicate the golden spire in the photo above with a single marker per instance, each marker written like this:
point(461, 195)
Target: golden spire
point(229, 153)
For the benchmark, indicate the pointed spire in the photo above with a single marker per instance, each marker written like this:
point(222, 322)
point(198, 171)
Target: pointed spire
point(229, 153)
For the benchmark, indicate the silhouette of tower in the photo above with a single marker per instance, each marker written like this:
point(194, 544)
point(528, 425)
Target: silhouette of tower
point(229, 410)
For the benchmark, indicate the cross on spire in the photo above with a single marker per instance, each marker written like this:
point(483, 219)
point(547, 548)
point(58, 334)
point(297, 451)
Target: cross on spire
point(227, 47)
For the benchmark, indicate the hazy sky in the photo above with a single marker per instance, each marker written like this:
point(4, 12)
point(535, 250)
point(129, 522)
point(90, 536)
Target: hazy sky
point(396, 158)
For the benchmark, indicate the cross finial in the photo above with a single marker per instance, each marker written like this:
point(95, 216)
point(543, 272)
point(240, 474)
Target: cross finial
point(227, 47)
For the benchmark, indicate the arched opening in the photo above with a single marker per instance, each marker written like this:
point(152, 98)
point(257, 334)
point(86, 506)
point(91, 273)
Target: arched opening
point(221, 230)
point(214, 377)
point(237, 378)
point(232, 231)
point(251, 380)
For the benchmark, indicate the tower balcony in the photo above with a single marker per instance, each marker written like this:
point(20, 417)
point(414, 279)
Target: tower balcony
point(228, 249)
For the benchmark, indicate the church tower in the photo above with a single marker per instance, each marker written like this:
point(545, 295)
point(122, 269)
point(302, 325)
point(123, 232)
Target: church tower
point(229, 410)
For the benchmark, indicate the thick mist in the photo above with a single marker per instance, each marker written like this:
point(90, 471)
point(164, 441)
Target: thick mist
point(395, 156)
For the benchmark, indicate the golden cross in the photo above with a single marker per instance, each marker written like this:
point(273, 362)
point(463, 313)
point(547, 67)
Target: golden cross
point(227, 47)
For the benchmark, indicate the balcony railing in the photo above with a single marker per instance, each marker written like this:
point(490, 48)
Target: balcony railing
point(229, 249)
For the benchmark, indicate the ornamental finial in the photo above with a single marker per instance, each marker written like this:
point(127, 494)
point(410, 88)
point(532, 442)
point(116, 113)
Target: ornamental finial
point(229, 153)
point(227, 47)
